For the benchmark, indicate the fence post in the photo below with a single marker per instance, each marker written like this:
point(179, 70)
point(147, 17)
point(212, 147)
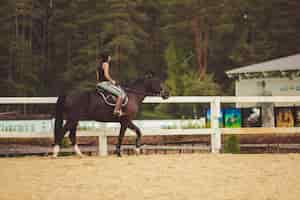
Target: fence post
point(102, 145)
point(215, 106)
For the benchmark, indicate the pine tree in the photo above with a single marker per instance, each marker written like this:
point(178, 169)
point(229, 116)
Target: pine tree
point(123, 33)
point(195, 19)
point(6, 47)
point(151, 50)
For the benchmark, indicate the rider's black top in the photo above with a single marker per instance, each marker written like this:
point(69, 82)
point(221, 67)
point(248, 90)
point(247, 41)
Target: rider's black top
point(101, 73)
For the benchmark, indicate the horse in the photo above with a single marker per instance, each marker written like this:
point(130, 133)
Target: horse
point(91, 105)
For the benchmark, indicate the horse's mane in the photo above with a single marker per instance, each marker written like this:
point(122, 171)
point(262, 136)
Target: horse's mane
point(133, 83)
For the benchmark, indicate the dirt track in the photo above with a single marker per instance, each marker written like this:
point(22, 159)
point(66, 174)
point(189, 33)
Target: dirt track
point(168, 177)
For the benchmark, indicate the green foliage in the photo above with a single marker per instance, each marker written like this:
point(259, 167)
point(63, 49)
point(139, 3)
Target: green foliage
point(206, 87)
point(65, 143)
point(177, 68)
point(149, 114)
point(232, 144)
point(183, 80)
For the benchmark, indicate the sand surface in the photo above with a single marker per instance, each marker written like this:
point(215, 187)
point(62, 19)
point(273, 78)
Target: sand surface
point(165, 177)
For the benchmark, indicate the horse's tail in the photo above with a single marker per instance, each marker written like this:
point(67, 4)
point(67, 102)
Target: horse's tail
point(58, 125)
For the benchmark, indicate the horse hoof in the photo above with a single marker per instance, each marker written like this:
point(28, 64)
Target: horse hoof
point(80, 155)
point(118, 153)
point(55, 151)
point(137, 151)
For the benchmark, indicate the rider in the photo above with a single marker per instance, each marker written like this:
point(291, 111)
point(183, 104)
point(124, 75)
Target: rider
point(107, 83)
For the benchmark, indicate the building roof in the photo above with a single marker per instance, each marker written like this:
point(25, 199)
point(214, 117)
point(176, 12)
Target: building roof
point(290, 63)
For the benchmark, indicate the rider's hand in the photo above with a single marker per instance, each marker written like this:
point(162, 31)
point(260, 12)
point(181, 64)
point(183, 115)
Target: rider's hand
point(113, 82)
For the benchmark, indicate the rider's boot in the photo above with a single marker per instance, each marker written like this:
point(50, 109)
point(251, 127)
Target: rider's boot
point(118, 107)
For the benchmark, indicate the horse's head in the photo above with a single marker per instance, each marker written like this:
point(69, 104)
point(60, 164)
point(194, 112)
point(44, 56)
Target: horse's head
point(156, 86)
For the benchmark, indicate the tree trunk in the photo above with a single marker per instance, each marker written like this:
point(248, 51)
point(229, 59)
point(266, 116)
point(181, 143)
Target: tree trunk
point(22, 51)
point(45, 47)
point(69, 50)
point(198, 39)
point(11, 51)
point(119, 60)
point(205, 53)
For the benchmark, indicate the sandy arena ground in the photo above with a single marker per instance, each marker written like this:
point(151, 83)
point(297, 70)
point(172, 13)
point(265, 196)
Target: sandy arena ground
point(165, 177)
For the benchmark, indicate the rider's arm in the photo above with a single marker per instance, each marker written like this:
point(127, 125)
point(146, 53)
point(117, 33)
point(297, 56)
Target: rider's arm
point(97, 75)
point(106, 73)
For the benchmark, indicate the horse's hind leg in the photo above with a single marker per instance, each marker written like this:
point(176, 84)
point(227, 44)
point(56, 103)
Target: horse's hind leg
point(124, 125)
point(73, 139)
point(133, 127)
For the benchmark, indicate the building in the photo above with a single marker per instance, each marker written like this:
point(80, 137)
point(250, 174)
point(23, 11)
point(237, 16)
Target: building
point(278, 77)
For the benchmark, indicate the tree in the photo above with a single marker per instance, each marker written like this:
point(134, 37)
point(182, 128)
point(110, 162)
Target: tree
point(6, 45)
point(177, 69)
point(265, 30)
point(151, 51)
point(195, 19)
point(205, 87)
point(122, 33)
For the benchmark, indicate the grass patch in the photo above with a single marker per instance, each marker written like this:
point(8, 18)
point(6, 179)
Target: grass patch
point(232, 144)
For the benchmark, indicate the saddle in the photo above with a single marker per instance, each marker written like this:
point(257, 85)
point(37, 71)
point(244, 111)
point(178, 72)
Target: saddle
point(109, 98)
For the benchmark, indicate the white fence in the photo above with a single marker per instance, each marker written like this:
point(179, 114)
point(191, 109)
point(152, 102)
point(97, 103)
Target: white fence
point(215, 105)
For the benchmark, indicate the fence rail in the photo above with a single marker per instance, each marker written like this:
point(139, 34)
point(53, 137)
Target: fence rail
point(174, 99)
point(215, 105)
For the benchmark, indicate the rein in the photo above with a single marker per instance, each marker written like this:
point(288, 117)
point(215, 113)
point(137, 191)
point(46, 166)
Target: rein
point(140, 92)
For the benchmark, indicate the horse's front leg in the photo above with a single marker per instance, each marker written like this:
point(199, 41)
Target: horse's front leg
point(60, 136)
point(138, 132)
point(124, 125)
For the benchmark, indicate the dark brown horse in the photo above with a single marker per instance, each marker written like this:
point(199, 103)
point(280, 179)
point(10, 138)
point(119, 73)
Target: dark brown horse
point(89, 105)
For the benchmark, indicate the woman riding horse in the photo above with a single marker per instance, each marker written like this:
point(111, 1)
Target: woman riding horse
point(107, 83)
point(89, 105)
